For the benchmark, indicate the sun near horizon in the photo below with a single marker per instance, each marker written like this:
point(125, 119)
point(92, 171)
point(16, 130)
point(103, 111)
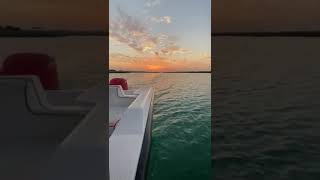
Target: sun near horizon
point(160, 35)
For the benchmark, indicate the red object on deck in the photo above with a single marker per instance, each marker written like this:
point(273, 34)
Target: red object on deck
point(1, 71)
point(40, 65)
point(119, 81)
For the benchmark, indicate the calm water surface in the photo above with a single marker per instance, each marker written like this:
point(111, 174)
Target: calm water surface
point(266, 120)
point(181, 124)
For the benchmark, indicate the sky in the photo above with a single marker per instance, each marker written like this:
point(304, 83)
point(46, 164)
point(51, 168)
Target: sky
point(62, 14)
point(160, 35)
point(265, 15)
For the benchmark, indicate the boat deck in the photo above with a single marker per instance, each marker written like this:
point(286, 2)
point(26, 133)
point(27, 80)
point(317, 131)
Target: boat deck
point(46, 132)
point(130, 112)
point(115, 114)
point(119, 102)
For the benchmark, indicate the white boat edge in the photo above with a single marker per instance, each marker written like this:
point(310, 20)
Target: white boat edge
point(133, 132)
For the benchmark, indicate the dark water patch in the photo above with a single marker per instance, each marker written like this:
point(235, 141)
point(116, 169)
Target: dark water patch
point(266, 109)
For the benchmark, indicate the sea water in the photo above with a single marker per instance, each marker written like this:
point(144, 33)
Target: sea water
point(266, 121)
point(181, 134)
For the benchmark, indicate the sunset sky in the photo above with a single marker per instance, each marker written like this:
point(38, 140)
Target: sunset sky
point(160, 35)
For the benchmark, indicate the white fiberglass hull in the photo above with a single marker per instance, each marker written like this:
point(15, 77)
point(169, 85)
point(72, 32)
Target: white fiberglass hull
point(129, 143)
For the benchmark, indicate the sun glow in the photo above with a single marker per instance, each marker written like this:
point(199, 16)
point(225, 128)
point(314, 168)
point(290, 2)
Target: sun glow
point(153, 67)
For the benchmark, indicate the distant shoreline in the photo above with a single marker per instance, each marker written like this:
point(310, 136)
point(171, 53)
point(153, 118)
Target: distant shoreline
point(62, 33)
point(158, 72)
point(269, 34)
point(48, 33)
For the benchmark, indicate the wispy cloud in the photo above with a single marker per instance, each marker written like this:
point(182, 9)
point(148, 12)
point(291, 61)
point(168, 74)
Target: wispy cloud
point(120, 56)
point(168, 46)
point(164, 19)
point(132, 32)
point(151, 3)
point(204, 56)
point(128, 30)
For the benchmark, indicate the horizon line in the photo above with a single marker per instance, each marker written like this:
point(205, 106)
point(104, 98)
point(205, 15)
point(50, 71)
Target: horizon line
point(286, 33)
point(160, 71)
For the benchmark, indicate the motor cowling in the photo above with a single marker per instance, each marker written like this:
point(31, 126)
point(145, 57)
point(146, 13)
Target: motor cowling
point(40, 65)
point(119, 81)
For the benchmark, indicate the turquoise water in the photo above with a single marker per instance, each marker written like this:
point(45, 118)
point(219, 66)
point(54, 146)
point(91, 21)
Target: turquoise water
point(181, 144)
